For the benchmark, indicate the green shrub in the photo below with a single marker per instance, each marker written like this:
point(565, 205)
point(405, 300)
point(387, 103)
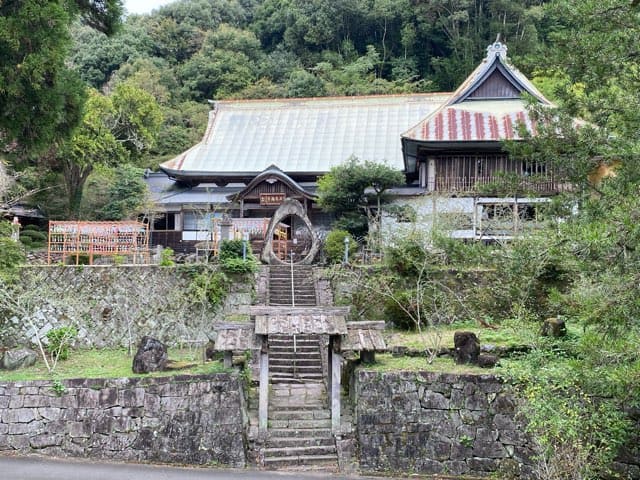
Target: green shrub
point(59, 341)
point(401, 310)
point(33, 239)
point(167, 258)
point(34, 235)
point(11, 256)
point(31, 228)
point(239, 266)
point(209, 286)
point(334, 246)
point(232, 249)
point(356, 223)
point(408, 255)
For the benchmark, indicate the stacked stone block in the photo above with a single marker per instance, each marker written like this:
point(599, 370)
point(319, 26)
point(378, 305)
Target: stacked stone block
point(183, 419)
point(436, 423)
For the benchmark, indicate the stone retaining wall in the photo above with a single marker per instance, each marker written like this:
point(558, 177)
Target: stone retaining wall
point(183, 419)
point(432, 423)
point(113, 305)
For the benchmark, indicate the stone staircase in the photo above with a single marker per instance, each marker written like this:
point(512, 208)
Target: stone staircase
point(294, 359)
point(299, 431)
point(299, 419)
point(280, 293)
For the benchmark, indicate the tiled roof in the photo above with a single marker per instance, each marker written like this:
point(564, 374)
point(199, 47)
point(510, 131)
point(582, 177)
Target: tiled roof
point(302, 135)
point(480, 111)
point(300, 320)
point(364, 336)
point(474, 121)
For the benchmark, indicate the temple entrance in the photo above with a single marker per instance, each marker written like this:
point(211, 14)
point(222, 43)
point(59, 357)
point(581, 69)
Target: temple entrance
point(290, 232)
point(292, 239)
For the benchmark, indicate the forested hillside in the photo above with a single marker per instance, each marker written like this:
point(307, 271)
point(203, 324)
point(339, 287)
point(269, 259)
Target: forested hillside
point(187, 52)
point(194, 50)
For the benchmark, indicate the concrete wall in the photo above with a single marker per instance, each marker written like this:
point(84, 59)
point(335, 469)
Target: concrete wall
point(431, 423)
point(183, 419)
point(111, 305)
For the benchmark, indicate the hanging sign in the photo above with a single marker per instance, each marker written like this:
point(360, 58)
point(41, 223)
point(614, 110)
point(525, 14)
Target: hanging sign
point(271, 199)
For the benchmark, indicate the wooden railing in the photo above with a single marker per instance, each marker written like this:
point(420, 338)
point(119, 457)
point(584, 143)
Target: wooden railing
point(500, 185)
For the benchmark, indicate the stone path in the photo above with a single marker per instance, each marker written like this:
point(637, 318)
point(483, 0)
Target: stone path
point(299, 431)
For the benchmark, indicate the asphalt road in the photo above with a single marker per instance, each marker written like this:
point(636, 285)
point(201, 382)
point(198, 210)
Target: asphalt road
point(39, 468)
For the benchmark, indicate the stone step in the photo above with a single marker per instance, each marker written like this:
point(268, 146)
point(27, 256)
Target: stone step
point(289, 338)
point(299, 362)
point(285, 283)
point(298, 341)
point(287, 390)
point(287, 302)
point(292, 375)
point(288, 379)
point(327, 461)
point(287, 294)
point(300, 414)
point(290, 359)
point(291, 304)
point(271, 452)
point(300, 370)
point(299, 297)
point(296, 441)
point(304, 348)
point(295, 424)
point(307, 407)
point(297, 403)
point(287, 271)
point(283, 367)
point(317, 433)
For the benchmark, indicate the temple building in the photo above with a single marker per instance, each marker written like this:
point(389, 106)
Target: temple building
point(257, 154)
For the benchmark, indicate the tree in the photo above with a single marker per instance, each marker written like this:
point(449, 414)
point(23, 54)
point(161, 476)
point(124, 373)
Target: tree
point(115, 129)
point(227, 62)
point(40, 97)
point(349, 189)
point(593, 60)
point(126, 195)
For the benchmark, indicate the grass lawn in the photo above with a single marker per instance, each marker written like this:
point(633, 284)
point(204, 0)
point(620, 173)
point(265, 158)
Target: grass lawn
point(110, 364)
point(387, 363)
point(506, 335)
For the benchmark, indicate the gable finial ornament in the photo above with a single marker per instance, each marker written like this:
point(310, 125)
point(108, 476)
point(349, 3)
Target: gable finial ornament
point(497, 49)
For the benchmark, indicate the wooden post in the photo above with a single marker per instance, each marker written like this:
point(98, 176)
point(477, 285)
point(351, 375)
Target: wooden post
point(336, 360)
point(368, 356)
point(263, 402)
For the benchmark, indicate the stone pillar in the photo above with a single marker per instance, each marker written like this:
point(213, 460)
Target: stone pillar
point(336, 361)
point(226, 229)
point(368, 356)
point(263, 402)
point(228, 359)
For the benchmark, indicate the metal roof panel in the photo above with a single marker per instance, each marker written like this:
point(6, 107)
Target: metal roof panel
point(304, 135)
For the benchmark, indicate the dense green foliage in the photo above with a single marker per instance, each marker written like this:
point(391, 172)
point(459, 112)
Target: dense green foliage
point(354, 192)
point(334, 246)
point(59, 341)
point(40, 96)
point(231, 258)
point(126, 195)
point(209, 286)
